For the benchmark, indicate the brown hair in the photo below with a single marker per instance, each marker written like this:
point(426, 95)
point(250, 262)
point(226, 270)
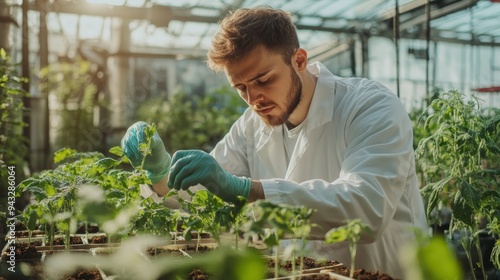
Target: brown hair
point(244, 29)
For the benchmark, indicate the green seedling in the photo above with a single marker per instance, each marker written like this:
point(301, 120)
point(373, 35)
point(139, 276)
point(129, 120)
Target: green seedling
point(273, 222)
point(351, 232)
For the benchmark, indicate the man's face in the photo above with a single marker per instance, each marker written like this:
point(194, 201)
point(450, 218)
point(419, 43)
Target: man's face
point(268, 85)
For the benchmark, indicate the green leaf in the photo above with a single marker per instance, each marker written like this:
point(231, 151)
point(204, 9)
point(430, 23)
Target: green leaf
point(32, 220)
point(114, 193)
point(150, 130)
point(462, 210)
point(63, 154)
point(495, 254)
point(116, 150)
point(336, 235)
point(438, 262)
point(107, 163)
point(435, 190)
point(38, 192)
point(50, 190)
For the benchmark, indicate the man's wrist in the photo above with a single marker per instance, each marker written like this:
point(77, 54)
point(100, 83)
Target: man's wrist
point(256, 191)
point(160, 187)
point(157, 172)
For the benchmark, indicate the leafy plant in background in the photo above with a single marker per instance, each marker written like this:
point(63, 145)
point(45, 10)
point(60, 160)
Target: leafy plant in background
point(75, 97)
point(351, 232)
point(418, 115)
point(13, 146)
point(453, 161)
point(193, 122)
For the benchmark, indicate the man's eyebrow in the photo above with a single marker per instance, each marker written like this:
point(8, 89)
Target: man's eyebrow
point(261, 74)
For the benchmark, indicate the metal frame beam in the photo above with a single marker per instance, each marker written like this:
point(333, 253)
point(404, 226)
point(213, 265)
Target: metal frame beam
point(160, 15)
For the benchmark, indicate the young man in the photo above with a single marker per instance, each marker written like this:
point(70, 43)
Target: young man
point(341, 146)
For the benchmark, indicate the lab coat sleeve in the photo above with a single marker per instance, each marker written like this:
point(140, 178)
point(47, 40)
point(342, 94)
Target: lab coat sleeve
point(230, 152)
point(377, 163)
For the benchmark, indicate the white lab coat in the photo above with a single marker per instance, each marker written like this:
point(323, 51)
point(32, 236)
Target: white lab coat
point(353, 159)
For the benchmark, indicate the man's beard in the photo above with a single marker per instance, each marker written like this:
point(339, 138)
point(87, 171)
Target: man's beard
point(293, 100)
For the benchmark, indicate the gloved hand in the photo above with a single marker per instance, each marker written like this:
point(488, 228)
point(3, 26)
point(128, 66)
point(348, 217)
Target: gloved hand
point(157, 164)
point(192, 167)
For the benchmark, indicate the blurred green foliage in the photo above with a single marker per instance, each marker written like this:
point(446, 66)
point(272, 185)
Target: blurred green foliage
point(13, 145)
point(190, 121)
point(75, 97)
point(430, 258)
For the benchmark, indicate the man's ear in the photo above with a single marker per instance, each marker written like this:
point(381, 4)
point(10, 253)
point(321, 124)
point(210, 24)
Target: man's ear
point(299, 59)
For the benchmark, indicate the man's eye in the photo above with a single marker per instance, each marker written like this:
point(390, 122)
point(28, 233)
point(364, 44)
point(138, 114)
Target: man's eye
point(241, 91)
point(264, 82)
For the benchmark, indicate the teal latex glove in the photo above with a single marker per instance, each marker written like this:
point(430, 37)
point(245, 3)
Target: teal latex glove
point(157, 164)
point(192, 167)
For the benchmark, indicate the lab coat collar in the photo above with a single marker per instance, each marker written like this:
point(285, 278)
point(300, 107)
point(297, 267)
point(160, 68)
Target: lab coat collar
point(321, 108)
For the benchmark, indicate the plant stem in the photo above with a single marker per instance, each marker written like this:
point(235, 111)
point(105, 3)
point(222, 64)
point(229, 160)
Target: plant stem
point(236, 241)
point(466, 246)
point(480, 256)
point(51, 236)
point(67, 241)
point(294, 244)
point(198, 239)
point(276, 262)
point(86, 230)
point(352, 249)
point(302, 246)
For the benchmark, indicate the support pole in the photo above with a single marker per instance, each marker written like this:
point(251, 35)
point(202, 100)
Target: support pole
point(427, 46)
point(25, 66)
point(396, 42)
point(44, 95)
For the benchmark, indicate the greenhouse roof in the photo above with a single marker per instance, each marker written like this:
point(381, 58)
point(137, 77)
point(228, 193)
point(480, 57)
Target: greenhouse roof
point(185, 27)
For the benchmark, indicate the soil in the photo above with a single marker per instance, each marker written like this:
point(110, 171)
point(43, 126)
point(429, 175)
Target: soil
point(25, 233)
point(90, 229)
point(90, 274)
point(33, 242)
point(99, 239)
point(29, 252)
point(191, 250)
point(309, 263)
point(362, 274)
point(25, 252)
point(315, 277)
point(197, 274)
point(194, 235)
point(72, 240)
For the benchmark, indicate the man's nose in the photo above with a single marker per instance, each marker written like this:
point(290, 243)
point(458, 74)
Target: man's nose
point(254, 96)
